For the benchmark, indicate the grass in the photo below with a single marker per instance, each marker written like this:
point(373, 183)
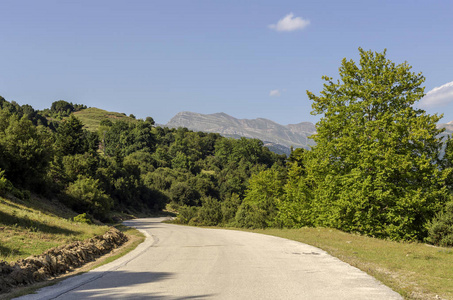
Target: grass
point(33, 226)
point(415, 270)
point(92, 117)
point(135, 238)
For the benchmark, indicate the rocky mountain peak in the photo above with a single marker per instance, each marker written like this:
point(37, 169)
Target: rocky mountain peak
point(277, 137)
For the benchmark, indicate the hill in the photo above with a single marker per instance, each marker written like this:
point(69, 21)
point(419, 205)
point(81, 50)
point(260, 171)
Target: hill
point(277, 137)
point(91, 117)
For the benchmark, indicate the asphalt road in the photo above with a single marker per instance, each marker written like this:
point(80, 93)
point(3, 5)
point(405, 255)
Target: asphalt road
point(180, 262)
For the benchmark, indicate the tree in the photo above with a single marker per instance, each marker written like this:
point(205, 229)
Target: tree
point(25, 150)
point(62, 107)
point(375, 164)
point(87, 196)
point(259, 207)
point(72, 139)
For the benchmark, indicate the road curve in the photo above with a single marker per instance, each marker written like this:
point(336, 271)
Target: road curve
point(180, 262)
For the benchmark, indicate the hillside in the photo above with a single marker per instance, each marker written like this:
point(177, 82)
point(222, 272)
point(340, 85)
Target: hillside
point(275, 136)
point(92, 117)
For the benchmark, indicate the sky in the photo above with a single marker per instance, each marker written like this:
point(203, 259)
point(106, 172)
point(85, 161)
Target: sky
point(249, 59)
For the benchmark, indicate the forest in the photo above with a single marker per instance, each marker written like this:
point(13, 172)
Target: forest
point(379, 167)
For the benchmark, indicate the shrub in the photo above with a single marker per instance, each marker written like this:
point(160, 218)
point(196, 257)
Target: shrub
point(5, 185)
point(440, 229)
point(83, 218)
point(210, 213)
point(86, 195)
point(249, 215)
point(186, 213)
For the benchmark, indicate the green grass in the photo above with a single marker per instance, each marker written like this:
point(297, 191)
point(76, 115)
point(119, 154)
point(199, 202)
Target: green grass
point(92, 117)
point(33, 226)
point(415, 270)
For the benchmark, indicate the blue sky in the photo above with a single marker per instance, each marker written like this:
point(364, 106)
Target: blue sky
point(248, 59)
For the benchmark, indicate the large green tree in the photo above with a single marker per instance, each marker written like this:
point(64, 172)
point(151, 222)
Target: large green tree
point(374, 168)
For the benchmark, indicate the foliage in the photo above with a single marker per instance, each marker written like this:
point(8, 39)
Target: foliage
point(86, 195)
point(441, 227)
point(186, 213)
point(26, 150)
point(295, 208)
point(375, 165)
point(122, 139)
point(229, 208)
point(5, 185)
point(83, 218)
point(210, 213)
point(263, 194)
point(72, 139)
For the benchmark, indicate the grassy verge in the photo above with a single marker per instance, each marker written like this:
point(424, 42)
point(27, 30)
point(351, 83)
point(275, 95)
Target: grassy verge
point(415, 270)
point(33, 226)
point(135, 238)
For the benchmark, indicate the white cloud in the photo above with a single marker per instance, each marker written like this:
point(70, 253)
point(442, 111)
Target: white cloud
point(288, 23)
point(274, 93)
point(438, 96)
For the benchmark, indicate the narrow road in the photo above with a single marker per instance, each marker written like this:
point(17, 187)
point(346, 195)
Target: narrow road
point(180, 262)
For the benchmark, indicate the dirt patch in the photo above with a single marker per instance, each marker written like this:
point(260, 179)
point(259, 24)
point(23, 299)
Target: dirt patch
point(58, 260)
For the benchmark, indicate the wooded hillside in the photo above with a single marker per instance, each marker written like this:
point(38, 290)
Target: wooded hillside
point(376, 168)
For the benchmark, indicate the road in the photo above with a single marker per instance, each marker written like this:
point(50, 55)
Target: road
point(181, 262)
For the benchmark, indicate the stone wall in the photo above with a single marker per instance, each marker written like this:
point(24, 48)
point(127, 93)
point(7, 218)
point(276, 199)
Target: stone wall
point(57, 260)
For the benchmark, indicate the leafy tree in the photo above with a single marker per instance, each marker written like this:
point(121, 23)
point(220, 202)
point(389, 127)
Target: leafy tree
point(263, 194)
point(374, 165)
point(72, 139)
point(87, 196)
point(230, 207)
point(62, 107)
point(149, 120)
point(441, 227)
point(25, 150)
point(448, 161)
point(122, 139)
point(295, 207)
point(210, 213)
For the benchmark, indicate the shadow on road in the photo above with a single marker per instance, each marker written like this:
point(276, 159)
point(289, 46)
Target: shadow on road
point(112, 284)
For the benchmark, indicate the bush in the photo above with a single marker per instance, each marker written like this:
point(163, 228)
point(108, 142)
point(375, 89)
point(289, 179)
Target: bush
point(210, 213)
point(5, 185)
point(86, 195)
point(440, 229)
point(83, 218)
point(251, 216)
point(186, 213)
point(229, 208)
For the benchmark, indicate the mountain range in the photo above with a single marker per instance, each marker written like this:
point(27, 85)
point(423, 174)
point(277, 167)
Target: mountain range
point(278, 138)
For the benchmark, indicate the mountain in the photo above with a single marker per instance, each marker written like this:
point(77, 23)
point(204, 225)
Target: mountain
point(448, 127)
point(279, 138)
point(447, 133)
